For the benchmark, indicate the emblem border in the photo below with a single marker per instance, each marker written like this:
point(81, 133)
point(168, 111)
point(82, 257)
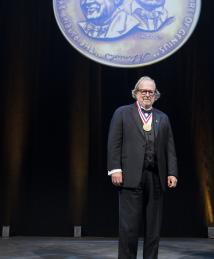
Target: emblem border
point(111, 64)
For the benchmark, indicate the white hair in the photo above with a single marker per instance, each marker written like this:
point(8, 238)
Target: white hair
point(142, 79)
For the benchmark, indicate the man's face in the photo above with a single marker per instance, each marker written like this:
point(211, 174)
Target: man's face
point(97, 9)
point(146, 93)
point(151, 3)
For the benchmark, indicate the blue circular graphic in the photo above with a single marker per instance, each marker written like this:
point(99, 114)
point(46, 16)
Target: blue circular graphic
point(127, 33)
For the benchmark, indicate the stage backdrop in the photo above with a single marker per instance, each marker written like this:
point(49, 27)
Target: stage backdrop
point(55, 109)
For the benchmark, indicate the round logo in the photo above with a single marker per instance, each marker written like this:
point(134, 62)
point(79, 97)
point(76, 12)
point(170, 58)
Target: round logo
point(127, 33)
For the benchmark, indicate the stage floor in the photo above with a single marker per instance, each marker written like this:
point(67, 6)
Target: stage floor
point(100, 248)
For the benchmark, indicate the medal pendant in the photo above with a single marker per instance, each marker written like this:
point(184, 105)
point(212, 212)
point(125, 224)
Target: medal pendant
point(147, 127)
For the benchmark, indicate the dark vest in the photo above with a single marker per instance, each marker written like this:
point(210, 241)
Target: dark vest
point(150, 161)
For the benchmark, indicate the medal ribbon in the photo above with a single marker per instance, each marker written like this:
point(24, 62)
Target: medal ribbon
point(144, 119)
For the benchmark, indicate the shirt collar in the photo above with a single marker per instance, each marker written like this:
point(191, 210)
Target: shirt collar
point(145, 108)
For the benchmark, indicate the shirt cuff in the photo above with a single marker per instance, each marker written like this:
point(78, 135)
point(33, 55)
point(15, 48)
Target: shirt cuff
point(114, 171)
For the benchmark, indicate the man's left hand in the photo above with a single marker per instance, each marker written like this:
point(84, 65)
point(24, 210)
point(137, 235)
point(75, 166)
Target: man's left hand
point(172, 181)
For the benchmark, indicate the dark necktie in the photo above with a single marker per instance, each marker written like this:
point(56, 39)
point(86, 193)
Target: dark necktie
point(146, 111)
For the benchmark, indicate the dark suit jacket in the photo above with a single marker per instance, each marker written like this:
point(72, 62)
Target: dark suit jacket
point(126, 145)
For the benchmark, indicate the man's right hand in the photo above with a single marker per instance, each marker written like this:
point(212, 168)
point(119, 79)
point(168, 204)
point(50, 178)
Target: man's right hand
point(117, 178)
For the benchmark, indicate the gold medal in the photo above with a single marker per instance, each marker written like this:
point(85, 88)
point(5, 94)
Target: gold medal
point(147, 126)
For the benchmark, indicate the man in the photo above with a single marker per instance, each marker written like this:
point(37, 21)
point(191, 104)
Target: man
point(151, 14)
point(141, 162)
point(106, 19)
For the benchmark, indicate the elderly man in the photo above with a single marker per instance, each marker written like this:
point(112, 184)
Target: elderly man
point(151, 14)
point(106, 19)
point(141, 162)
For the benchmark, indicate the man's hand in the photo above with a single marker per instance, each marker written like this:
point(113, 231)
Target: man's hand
point(172, 181)
point(117, 178)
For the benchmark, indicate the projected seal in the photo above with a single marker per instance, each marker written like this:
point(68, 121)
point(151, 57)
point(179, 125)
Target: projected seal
point(127, 33)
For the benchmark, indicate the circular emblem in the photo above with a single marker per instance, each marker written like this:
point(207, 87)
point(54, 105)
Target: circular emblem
point(127, 33)
point(147, 126)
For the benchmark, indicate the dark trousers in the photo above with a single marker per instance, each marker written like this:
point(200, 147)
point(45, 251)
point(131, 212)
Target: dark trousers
point(138, 206)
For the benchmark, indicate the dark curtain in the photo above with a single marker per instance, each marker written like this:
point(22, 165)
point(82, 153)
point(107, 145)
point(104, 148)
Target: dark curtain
point(56, 106)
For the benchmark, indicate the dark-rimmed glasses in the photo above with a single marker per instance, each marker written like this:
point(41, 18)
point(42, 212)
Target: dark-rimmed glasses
point(144, 92)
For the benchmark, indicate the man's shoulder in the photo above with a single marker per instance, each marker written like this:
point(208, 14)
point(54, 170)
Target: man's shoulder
point(125, 108)
point(160, 113)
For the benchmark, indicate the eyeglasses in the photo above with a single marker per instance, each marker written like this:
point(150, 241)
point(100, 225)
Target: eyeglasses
point(144, 92)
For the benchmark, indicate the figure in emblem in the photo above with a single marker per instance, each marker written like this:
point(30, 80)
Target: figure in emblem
point(106, 19)
point(151, 14)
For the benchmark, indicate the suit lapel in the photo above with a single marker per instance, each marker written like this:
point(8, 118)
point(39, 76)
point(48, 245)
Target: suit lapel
point(137, 118)
point(156, 121)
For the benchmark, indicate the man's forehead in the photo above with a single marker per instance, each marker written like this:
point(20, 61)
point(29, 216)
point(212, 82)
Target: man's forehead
point(147, 83)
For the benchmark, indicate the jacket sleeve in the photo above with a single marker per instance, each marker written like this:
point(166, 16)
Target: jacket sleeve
point(115, 138)
point(171, 153)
